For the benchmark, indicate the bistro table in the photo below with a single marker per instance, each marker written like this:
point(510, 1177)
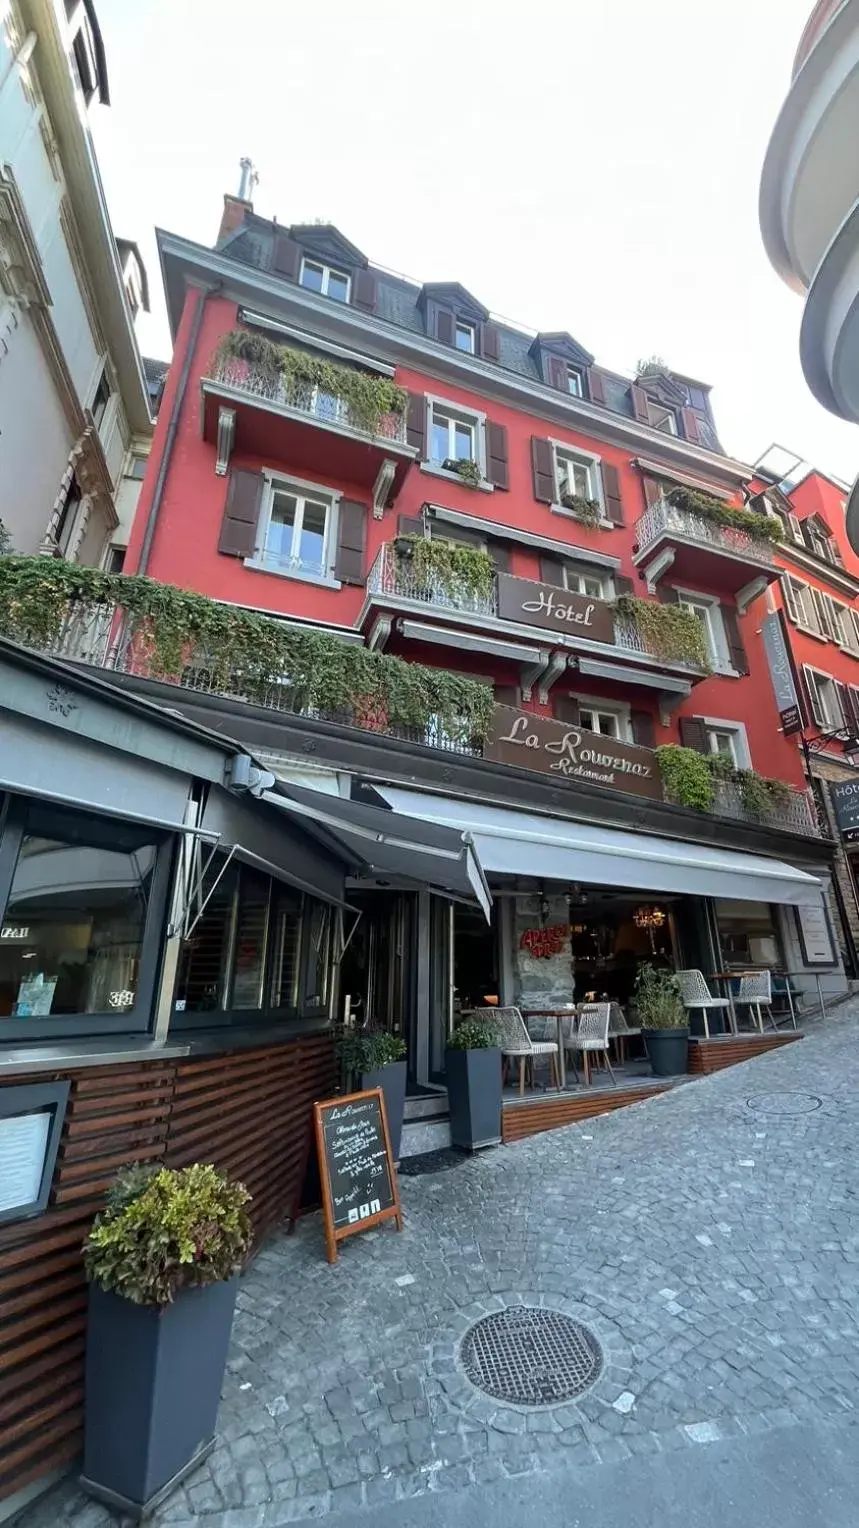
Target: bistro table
point(559, 1013)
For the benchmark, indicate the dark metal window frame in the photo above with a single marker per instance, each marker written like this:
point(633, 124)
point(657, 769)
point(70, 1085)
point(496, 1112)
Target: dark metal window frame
point(37, 1099)
point(138, 1019)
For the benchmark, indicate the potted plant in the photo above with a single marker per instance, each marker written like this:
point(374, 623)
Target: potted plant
point(162, 1260)
point(377, 1059)
point(589, 511)
point(473, 1068)
point(468, 470)
point(663, 1019)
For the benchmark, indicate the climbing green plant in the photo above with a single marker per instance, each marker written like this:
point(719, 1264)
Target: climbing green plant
point(761, 528)
point(459, 570)
point(691, 778)
point(465, 468)
point(370, 398)
point(589, 511)
point(165, 632)
point(651, 366)
point(667, 631)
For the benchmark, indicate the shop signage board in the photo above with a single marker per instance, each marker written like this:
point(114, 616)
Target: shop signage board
point(357, 1177)
point(845, 799)
point(781, 673)
point(815, 935)
point(555, 748)
point(530, 603)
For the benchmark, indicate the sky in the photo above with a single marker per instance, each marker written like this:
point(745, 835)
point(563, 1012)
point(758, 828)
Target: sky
point(591, 167)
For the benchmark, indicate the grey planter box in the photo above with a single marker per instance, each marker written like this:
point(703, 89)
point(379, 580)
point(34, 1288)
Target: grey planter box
point(668, 1050)
point(474, 1097)
point(153, 1387)
point(392, 1080)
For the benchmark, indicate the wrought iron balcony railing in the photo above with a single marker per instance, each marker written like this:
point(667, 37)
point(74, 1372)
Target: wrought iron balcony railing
point(665, 519)
point(297, 395)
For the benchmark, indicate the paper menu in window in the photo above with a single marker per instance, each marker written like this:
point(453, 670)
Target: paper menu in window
point(35, 996)
point(23, 1143)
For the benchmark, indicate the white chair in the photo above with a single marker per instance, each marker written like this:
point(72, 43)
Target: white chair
point(756, 992)
point(514, 1040)
point(591, 1036)
point(620, 1031)
point(696, 994)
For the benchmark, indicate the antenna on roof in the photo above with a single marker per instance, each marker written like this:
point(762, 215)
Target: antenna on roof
point(249, 179)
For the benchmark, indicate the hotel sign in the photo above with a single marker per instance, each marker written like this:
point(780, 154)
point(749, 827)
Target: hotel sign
point(545, 605)
point(845, 799)
point(555, 748)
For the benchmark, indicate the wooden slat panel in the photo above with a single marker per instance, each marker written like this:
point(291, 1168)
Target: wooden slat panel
point(531, 1118)
point(708, 1056)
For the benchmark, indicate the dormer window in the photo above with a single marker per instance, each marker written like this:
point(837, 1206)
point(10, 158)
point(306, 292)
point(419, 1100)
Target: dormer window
point(464, 337)
point(325, 279)
point(661, 417)
point(574, 382)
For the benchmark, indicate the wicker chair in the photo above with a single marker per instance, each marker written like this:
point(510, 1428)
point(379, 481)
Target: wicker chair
point(591, 1036)
point(696, 994)
point(514, 1040)
point(755, 991)
point(620, 1031)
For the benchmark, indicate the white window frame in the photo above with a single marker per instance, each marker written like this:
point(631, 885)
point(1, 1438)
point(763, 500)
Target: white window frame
point(803, 609)
point(575, 575)
point(848, 623)
point(575, 382)
point(562, 453)
point(619, 710)
point(739, 738)
point(461, 327)
point(327, 272)
point(826, 711)
point(718, 650)
point(669, 417)
point(467, 416)
point(275, 482)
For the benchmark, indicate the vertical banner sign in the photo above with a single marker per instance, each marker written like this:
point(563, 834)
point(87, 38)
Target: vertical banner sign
point(781, 673)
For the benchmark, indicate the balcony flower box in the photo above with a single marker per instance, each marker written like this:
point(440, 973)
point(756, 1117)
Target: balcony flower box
point(468, 470)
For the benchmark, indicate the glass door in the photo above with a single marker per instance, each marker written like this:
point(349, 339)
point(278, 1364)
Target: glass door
point(441, 984)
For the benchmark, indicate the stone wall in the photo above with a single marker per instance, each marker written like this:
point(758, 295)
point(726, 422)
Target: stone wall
point(541, 981)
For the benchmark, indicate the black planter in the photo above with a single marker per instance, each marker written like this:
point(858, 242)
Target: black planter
point(668, 1051)
point(153, 1386)
point(392, 1080)
point(474, 1097)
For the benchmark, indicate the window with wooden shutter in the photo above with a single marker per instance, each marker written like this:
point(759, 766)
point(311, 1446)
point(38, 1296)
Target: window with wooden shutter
point(286, 257)
point(351, 542)
point(490, 343)
point(643, 728)
point(557, 373)
point(833, 610)
point(640, 410)
point(365, 290)
point(854, 617)
point(789, 598)
point(496, 454)
point(693, 734)
point(543, 467)
point(241, 514)
point(823, 613)
point(499, 554)
point(444, 326)
point(596, 390)
point(552, 571)
point(844, 705)
point(690, 423)
point(815, 699)
point(653, 490)
point(565, 708)
point(612, 502)
point(854, 700)
point(416, 423)
point(733, 637)
point(623, 585)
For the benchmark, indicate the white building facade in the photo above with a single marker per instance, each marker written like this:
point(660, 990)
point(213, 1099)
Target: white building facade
point(75, 420)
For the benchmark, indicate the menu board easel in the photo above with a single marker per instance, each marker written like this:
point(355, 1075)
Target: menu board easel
point(356, 1166)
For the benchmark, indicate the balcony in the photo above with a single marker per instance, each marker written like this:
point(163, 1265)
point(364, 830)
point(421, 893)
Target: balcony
point(675, 535)
point(252, 407)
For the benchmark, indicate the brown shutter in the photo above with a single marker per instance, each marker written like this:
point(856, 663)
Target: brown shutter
point(611, 494)
point(557, 370)
point(552, 571)
point(287, 257)
point(490, 343)
point(652, 491)
point(364, 290)
point(543, 465)
point(351, 542)
point(693, 733)
point(507, 695)
point(643, 728)
point(666, 595)
point(444, 326)
point(566, 709)
point(736, 650)
point(845, 701)
point(622, 584)
point(689, 422)
point(410, 525)
point(239, 525)
point(596, 391)
point(416, 423)
point(500, 555)
point(496, 454)
point(639, 404)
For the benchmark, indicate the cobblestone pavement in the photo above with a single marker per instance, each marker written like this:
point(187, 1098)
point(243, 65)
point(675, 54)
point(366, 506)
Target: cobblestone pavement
point(709, 1238)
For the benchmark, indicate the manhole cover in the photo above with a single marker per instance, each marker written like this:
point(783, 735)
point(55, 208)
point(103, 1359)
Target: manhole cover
point(531, 1357)
point(784, 1103)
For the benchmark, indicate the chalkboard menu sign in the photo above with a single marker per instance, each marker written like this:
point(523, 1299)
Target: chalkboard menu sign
point(356, 1166)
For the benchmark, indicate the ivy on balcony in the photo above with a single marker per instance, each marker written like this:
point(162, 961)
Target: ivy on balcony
point(691, 779)
point(667, 631)
point(370, 398)
point(762, 528)
point(163, 632)
point(458, 570)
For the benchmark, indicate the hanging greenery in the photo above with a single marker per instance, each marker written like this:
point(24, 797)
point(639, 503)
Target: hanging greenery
point(468, 470)
point(763, 528)
point(459, 570)
point(691, 779)
point(667, 631)
point(369, 398)
point(589, 511)
point(166, 631)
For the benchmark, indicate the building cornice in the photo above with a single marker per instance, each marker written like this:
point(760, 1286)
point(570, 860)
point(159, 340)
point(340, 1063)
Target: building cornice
point(181, 260)
point(838, 577)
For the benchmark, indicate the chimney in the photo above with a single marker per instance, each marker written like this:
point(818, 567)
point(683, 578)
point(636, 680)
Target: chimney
point(235, 207)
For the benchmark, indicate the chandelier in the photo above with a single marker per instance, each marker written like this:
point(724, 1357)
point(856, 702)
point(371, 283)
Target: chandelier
point(648, 917)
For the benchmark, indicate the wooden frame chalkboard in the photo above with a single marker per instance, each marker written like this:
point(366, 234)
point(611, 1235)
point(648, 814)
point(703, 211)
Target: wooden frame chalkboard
point(356, 1166)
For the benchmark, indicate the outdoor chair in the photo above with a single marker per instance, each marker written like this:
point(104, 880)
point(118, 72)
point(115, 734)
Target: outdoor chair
point(755, 991)
point(515, 1041)
point(696, 994)
point(591, 1035)
point(620, 1031)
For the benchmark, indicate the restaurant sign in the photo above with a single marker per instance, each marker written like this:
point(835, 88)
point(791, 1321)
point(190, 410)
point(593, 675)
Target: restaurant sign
point(555, 748)
point(545, 605)
point(845, 799)
point(781, 673)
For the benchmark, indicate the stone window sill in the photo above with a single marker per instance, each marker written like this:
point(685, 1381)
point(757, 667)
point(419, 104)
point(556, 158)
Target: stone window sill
point(297, 574)
point(454, 477)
